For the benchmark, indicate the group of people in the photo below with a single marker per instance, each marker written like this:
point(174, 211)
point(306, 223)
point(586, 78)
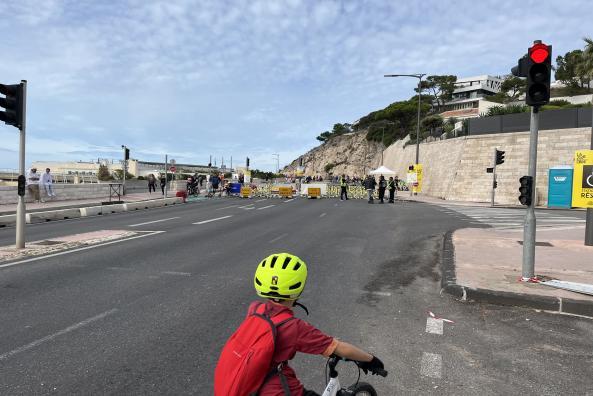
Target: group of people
point(370, 184)
point(37, 182)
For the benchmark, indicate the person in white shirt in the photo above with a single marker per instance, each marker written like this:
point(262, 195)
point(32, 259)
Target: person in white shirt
point(33, 184)
point(47, 181)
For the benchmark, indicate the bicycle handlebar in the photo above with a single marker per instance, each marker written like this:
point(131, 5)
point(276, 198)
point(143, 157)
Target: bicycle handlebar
point(334, 359)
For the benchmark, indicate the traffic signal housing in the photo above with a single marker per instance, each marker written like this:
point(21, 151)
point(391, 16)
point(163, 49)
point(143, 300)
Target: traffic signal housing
point(126, 153)
point(539, 72)
point(21, 183)
point(247, 162)
point(499, 157)
point(526, 190)
point(13, 104)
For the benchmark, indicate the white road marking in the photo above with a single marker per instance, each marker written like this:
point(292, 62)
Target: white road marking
point(288, 200)
point(323, 214)
point(265, 207)
point(434, 325)
point(119, 268)
point(57, 334)
point(431, 365)
point(252, 207)
point(79, 249)
point(261, 200)
point(211, 220)
point(381, 293)
point(244, 206)
point(154, 221)
point(278, 238)
point(227, 207)
point(176, 273)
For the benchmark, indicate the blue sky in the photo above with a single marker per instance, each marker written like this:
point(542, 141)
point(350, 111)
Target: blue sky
point(244, 78)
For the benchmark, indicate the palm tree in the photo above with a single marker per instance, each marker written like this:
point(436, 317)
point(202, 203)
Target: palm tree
point(585, 67)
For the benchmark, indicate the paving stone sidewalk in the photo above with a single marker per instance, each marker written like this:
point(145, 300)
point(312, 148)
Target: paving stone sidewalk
point(485, 265)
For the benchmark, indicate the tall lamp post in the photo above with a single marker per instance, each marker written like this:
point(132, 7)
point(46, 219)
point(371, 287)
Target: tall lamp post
point(419, 77)
point(277, 157)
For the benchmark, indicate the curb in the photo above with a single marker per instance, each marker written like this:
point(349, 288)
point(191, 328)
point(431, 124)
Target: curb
point(463, 293)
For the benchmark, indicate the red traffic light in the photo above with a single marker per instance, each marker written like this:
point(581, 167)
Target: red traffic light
point(539, 53)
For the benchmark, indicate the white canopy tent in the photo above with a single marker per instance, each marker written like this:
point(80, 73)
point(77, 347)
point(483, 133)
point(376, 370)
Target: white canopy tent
point(382, 170)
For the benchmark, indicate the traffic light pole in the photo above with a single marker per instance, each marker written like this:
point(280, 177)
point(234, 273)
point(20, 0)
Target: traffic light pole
point(493, 179)
point(20, 208)
point(529, 228)
point(589, 218)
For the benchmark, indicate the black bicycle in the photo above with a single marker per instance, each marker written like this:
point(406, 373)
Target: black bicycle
point(333, 387)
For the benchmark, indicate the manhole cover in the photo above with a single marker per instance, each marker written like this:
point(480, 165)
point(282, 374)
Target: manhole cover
point(548, 244)
point(48, 243)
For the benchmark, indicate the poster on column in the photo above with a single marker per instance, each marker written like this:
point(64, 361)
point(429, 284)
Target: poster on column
point(582, 181)
point(418, 186)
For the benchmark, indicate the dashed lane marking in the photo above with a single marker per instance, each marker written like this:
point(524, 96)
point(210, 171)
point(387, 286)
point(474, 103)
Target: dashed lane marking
point(323, 214)
point(176, 273)
point(154, 221)
point(211, 220)
point(434, 326)
point(288, 200)
point(278, 238)
point(431, 365)
point(261, 200)
point(381, 293)
point(245, 206)
point(265, 207)
point(57, 334)
point(227, 207)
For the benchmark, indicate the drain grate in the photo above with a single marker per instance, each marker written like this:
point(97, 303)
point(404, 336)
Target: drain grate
point(48, 243)
point(547, 244)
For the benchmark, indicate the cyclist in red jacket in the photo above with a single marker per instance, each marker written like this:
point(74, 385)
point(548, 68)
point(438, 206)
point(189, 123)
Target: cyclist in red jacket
point(280, 279)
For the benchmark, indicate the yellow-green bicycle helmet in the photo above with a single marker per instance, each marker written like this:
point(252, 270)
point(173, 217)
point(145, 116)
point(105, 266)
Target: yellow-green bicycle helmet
point(280, 276)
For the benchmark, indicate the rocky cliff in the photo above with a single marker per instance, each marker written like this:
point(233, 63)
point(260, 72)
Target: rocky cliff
point(349, 154)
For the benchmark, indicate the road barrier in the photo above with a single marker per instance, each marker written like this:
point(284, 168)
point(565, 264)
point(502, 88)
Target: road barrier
point(62, 214)
point(7, 220)
point(91, 211)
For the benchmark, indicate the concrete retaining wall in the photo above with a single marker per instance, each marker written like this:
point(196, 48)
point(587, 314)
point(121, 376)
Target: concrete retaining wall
point(455, 169)
point(63, 192)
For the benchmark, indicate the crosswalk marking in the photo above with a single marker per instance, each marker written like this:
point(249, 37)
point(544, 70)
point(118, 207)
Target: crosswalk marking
point(511, 219)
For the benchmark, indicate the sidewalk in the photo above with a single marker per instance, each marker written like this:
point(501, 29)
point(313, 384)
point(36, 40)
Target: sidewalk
point(485, 265)
point(78, 203)
point(405, 196)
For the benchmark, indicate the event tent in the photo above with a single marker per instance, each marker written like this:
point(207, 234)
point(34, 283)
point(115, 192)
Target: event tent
point(382, 170)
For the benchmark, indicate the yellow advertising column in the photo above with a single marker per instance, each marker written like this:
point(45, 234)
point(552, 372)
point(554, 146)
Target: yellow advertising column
point(582, 181)
point(417, 187)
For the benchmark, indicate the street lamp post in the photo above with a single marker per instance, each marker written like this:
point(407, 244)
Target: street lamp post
point(419, 77)
point(277, 157)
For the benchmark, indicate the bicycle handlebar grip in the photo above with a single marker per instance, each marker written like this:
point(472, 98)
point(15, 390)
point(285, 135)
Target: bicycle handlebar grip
point(381, 372)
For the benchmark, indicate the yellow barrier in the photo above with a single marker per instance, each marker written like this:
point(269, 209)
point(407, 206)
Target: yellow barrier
point(314, 192)
point(285, 192)
point(245, 192)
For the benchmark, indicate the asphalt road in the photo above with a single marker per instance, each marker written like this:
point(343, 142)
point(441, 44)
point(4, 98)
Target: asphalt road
point(149, 315)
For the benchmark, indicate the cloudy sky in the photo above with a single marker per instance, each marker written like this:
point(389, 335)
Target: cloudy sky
point(244, 78)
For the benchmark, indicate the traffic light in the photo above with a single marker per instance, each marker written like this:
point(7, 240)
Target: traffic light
point(21, 182)
point(126, 153)
point(499, 157)
point(539, 72)
point(494, 184)
point(521, 69)
point(301, 161)
point(247, 162)
point(526, 190)
point(13, 103)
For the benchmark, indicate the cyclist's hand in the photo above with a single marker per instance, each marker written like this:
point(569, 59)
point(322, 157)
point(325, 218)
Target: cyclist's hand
point(375, 366)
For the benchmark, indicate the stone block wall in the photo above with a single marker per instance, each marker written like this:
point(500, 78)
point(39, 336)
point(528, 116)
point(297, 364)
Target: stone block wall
point(455, 169)
point(64, 192)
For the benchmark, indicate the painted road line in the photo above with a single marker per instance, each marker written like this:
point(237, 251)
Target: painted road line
point(288, 200)
point(431, 365)
point(119, 268)
point(211, 220)
point(278, 238)
point(261, 200)
point(434, 326)
point(381, 293)
point(57, 334)
point(227, 207)
point(79, 249)
point(323, 214)
point(176, 273)
point(154, 221)
point(265, 207)
point(252, 207)
point(245, 206)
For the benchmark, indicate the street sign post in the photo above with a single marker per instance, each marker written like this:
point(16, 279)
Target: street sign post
point(173, 169)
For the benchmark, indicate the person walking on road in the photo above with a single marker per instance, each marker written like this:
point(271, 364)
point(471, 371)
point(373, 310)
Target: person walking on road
point(396, 181)
point(382, 187)
point(33, 184)
point(46, 181)
point(343, 188)
point(391, 188)
point(369, 185)
point(163, 184)
point(151, 183)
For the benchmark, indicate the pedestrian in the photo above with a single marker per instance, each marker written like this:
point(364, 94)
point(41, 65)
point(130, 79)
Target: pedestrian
point(382, 187)
point(343, 188)
point(46, 181)
point(391, 188)
point(369, 185)
point(163, 184)
point(33, 184)
point(151, 183)
point(396, 181)
point(214, 180)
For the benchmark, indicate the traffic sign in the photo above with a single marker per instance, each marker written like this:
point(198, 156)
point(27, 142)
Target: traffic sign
point(173, 169)
point(582, 182)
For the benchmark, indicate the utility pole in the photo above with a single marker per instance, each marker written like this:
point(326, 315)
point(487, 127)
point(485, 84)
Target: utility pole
point(277, 156)
point(589, 218)
point(529, 227)
point(125, 167)
point(493, 179)
point(166, 175)
point(21, 210)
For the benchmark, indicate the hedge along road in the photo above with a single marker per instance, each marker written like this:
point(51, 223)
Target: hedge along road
point(150, 315)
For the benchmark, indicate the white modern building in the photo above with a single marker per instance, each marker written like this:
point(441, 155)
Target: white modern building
point(470, 96)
